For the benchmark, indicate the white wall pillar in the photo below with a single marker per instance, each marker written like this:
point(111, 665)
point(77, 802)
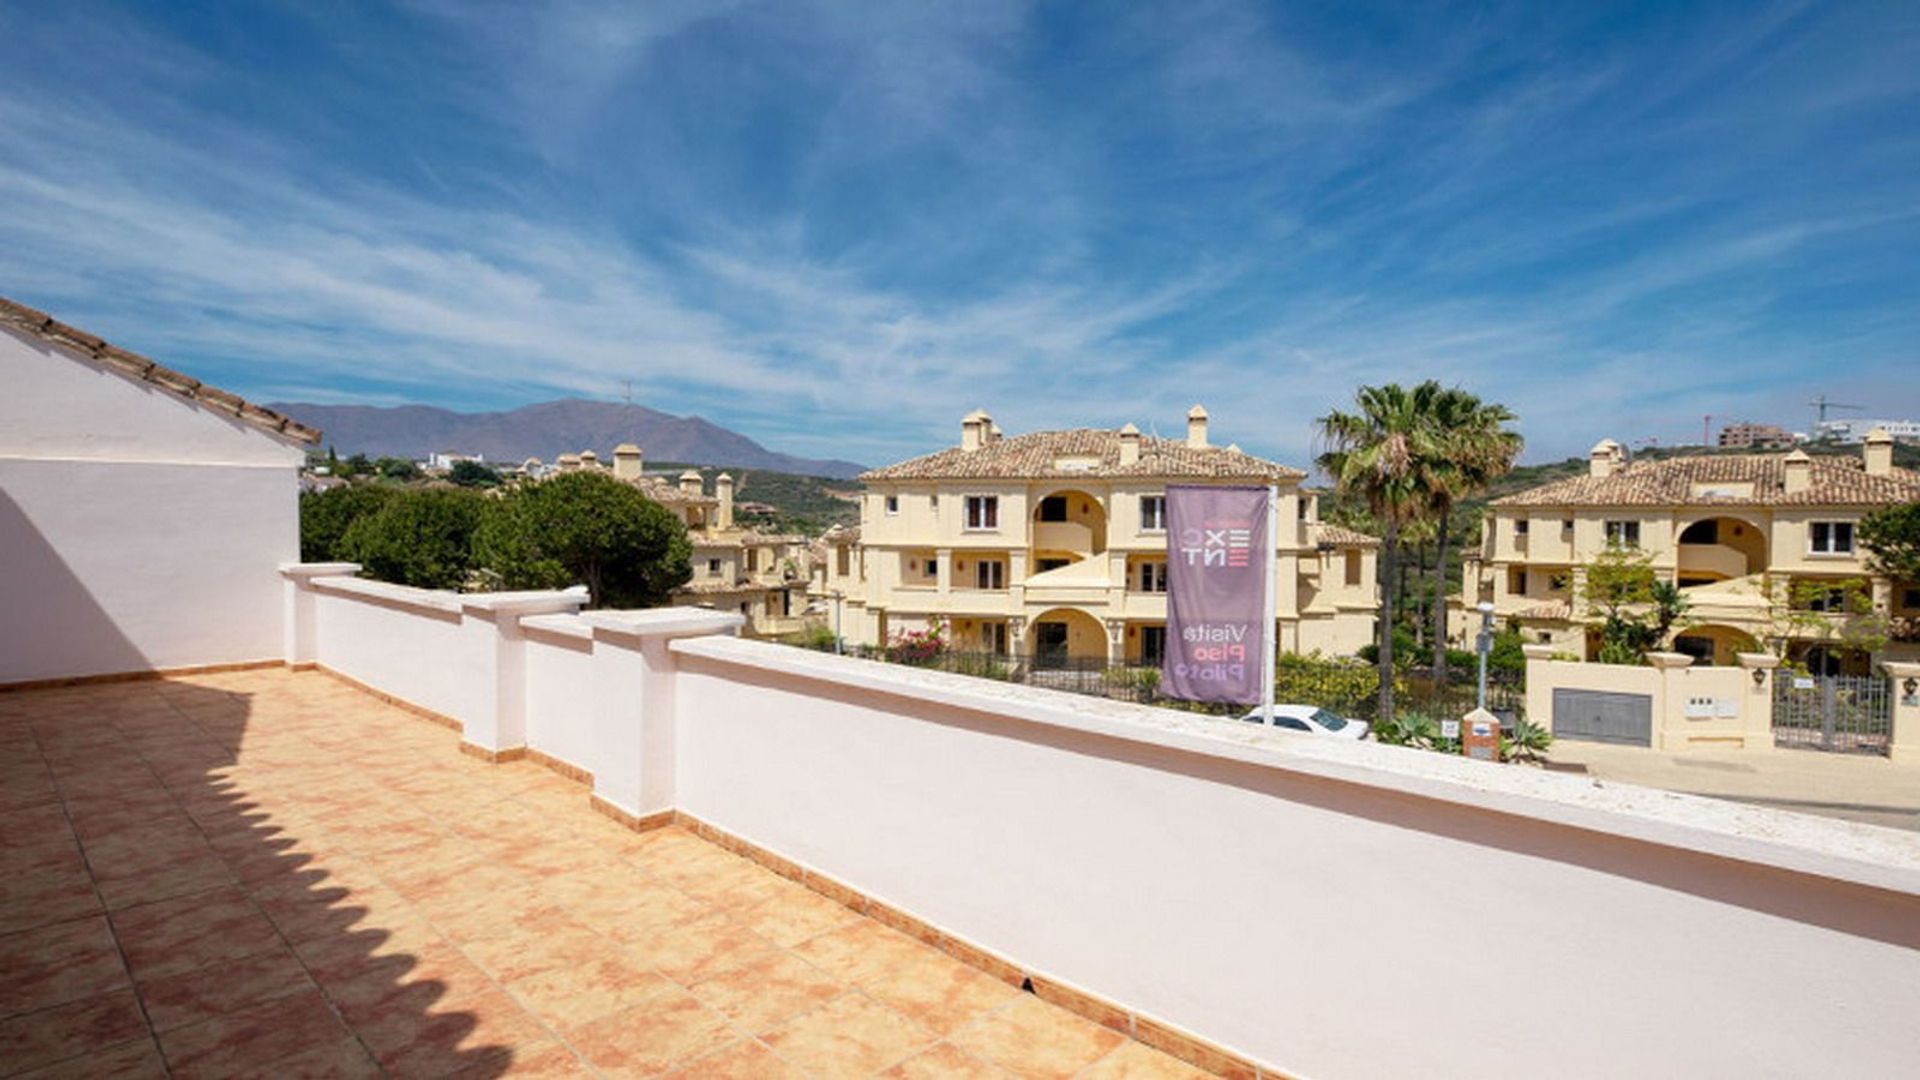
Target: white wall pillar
point(493, 715)
point(1904, 746)
point(633, 702)
point(298, 632)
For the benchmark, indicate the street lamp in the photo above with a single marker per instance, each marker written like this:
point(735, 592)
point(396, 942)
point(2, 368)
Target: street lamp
point(1484, 646)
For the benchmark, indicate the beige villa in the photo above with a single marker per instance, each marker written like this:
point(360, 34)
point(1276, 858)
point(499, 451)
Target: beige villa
point(1735, 532)
point(1053, 544)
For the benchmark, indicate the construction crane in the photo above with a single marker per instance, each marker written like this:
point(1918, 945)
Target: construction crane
point(1820, 406)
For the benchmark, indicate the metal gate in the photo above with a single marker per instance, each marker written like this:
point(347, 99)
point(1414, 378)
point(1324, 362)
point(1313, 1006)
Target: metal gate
point(1602, 716)
point(1845, 713)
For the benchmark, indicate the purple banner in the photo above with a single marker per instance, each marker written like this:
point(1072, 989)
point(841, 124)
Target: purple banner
point(1216, 594)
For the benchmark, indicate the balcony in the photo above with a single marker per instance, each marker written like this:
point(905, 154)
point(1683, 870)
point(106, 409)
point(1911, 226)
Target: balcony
point(388, 858)
point(1063, 536)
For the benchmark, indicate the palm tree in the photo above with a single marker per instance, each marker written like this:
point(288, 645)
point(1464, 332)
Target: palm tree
point(1477, 448)
point(1380, 453)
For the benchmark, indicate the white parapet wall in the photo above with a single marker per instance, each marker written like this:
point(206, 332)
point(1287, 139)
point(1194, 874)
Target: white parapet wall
point(1331, 909)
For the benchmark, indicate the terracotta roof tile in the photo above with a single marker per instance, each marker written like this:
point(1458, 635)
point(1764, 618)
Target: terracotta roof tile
point(1082, 452)
point(1743, 479)
point(24, 319)
point(1340, 536)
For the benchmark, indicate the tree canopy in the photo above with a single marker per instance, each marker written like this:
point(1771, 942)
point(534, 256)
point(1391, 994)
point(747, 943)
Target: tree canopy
point(586, 528)
point(1891, 536)
point(325, 516)
point(422, 538)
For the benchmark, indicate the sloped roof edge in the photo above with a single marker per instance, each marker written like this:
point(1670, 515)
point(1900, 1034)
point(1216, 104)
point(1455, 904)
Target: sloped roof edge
point(39, 324)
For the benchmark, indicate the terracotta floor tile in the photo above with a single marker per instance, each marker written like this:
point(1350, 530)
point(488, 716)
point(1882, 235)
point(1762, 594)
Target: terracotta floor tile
point(851, 1035)
point(250, 1039)
point(543, 1061)
point(137, 1060)
point(88, 1026)
point(192, 875)
point(747, 1059)
point(48, 905)
point(652, 1037)
point(577, 993)
point(862, 952)
point(202, 994)
point(794, 915)
point(1135, 1061)
point(945, 1061)
point(701, 949)
point(459, 1030)
point(1034, 1039)
point(188, 932)
point(941, 993)
point(759, 995)
point(56, 964)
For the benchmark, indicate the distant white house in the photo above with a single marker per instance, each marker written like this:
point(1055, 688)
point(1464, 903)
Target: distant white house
point(447, 459)
point(143, 514)
point(1853, 431)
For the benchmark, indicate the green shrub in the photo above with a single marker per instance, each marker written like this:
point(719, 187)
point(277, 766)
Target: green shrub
point(326, 515)
point(418, 537)
point(585, 528)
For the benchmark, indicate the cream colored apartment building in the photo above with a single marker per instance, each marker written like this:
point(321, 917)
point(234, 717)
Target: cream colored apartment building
point(1735, 532)
point(1053, 544)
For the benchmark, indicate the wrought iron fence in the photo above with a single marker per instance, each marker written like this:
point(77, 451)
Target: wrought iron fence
point(1843, 713)
point(1350, 688)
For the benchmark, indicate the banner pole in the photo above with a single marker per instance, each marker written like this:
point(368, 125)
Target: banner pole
point(1272, 634)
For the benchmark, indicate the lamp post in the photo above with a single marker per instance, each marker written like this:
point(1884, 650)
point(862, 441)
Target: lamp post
point(1484, 646)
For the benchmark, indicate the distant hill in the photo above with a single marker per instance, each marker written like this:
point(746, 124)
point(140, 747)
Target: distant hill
point(546, 431)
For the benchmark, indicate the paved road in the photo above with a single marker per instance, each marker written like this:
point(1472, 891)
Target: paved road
point(1853, 786)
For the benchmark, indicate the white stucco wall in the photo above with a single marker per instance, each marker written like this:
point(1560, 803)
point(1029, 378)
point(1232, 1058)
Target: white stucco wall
point(138, 530)
point(399, 640)
point(560, 688)
point(1331, 908)
point(1287, 913)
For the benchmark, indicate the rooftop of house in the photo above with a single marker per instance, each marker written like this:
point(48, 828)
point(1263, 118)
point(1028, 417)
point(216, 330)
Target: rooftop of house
point(1326, 532)
point(1726, 480)
point(39, 324)
point(1084, 452)
point(272, 873)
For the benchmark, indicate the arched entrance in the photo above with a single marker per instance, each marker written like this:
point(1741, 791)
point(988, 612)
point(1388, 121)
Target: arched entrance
point(1714, 644)
point(1719, 548)
point(1068, 525)
point(1066, 634)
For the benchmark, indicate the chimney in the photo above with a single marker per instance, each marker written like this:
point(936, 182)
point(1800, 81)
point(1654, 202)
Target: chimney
point(1799, 472)
point(1878, 451)
point(626, 462)
point(1197, 427)
point(1604, 459)
point(1129, 445)
point(690, 482)
point(723, 487)
point(974, 428)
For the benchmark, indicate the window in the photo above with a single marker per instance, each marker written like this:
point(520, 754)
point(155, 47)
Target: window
point(994, 636)
point(1053, 508)
point(1910, 599)
point(1623, 533)
point(990, 574)
point(713, 567)
point(753, 559)
point(1516, 581)
point(1830, 537)
point(893, 504)
point(1829, 598)
point(1153, 513)
point(1153, 644)
point(983, 511)
point(1520, 526)
point(1153, 577)
point(1353, 568)
point(933, 502)
point(844, 558)
point(1560, 581)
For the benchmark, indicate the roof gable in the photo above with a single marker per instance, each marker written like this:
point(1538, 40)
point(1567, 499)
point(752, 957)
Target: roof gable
point(1080, 453)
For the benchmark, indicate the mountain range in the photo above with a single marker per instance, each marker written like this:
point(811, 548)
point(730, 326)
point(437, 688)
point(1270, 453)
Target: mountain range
point(546, 431)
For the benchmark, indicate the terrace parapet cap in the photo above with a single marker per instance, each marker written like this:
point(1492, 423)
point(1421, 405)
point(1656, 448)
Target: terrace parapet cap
point(665, 622)
point(530, 602)
point(1667, 661)
point(1761, 660)
point(318, 569)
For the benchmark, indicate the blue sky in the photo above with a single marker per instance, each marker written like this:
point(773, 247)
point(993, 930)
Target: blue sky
point(839, 227)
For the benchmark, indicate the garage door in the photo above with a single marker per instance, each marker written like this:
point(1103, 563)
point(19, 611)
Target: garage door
point(1603, 717)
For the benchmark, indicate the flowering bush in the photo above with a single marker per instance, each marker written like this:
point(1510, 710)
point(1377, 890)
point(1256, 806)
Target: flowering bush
point(918, 646)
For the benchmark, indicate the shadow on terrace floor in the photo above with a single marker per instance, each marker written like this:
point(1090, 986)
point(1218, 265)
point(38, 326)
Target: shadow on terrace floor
point(273, 874)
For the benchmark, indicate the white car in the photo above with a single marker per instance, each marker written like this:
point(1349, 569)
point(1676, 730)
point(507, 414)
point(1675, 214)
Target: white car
point(1310, 719)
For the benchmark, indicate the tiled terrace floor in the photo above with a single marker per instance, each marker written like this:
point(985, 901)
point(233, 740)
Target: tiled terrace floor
point(272, 874)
